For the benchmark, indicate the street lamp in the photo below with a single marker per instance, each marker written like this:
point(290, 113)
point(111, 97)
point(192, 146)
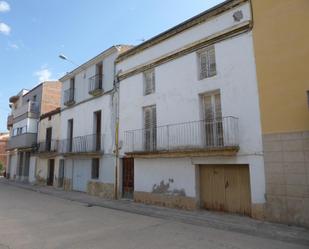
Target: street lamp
point(63, 57)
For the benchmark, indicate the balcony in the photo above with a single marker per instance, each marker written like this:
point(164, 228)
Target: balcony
point(31, 107)
point(69, 97)
point(48, 146)
point(89, 144)
point(24, 140)
point(9, 122)
point(96, 85)
point(197, 138)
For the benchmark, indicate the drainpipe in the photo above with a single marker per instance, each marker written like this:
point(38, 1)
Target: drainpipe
point(116, 92)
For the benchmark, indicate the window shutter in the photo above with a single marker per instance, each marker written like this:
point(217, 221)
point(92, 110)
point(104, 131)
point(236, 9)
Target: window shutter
point(149, 82)
point(150, 123)
point(207, 62)
point(211, 61)
point(208, 109)
point(218, 107)
point(147, 116)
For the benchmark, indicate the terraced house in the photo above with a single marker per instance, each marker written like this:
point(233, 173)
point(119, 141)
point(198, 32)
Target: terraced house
point(27, 106)
point(49, 168)
point(87, 139)
point(189, 115)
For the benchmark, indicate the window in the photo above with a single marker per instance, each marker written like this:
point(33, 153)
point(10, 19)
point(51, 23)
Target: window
point(213, 119)
point(34, 98)
point(149, 82)
point(207, 62)
point(95, 168)
point(150, 128)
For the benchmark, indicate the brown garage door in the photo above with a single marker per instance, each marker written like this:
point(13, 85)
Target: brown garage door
point(225, 188)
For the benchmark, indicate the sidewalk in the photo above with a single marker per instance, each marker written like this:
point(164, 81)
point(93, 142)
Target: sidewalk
point(203, 218)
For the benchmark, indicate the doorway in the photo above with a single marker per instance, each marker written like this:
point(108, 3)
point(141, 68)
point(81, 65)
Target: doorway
point(225, 188)
point(61, 173)
point(97, 130)
point(51, 168)
point(48, 139)
point(128, 178)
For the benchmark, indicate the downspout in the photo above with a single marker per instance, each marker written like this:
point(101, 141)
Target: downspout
point(116, 91)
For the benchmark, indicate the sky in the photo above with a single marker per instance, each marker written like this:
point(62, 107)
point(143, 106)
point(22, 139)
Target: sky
point(34, 32)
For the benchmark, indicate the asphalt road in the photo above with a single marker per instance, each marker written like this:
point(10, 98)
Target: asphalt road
point(37, 221)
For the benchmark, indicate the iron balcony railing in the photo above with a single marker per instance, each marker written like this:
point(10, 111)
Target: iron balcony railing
point(48, 146)
point(96, 84)
point(69, 96)
point(196, 135)
point(81, 144)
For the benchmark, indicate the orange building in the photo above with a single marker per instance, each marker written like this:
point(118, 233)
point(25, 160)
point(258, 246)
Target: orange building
point(281, 43)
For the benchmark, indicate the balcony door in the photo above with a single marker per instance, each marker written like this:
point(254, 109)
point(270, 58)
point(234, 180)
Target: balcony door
point(48, 139)
point(150, 128)
point(97, 130)
point(99, 75)
point(70, 136)
point(213, 119)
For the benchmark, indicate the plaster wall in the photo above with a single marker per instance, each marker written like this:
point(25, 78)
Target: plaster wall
point(213, 25)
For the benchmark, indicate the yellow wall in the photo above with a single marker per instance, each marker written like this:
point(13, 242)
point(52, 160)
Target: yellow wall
point(281, 40)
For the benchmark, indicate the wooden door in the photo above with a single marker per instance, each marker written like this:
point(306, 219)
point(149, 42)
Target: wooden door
point(61, 173)
point(128, 178)
point(51, 167)
point(48, 139)
point(70, 136)
point(225, 188)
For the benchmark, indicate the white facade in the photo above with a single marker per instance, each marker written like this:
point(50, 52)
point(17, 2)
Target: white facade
point(177, 99)
point(40, 166)
point(82, 112)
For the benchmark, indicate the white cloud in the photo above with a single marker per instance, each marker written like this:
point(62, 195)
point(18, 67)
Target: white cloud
point(13, 45)
point(4, 6)
point(44, 74)
point(4, 28)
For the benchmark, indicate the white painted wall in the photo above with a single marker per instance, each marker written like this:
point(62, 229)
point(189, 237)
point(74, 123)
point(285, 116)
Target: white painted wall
point(83, 117)
point(82, 79)
point(177, 99)
point(13, 165)
point(46, 123)
point(150, 172)
point(28, 124)
point(215, 24)
point(178, 90)
point(42, 168)
point(32, 169)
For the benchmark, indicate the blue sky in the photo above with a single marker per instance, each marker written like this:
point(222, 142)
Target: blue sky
point(34, 32)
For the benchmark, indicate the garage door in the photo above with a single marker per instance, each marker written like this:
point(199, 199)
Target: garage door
point(81, 174)
point(225, 188)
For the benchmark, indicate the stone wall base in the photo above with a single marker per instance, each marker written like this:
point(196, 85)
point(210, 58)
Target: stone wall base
point(258, 211)
point(171, 201)
point(104, 190)
point(286, 157)
point(67, 184)
point(40, 180)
